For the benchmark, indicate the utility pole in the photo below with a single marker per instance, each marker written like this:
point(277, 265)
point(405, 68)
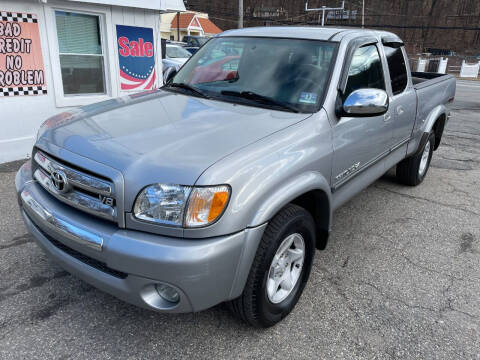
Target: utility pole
point(178, 26)
point(323, 15)
point(240, 14)
point(363, 13)
point(323, 9)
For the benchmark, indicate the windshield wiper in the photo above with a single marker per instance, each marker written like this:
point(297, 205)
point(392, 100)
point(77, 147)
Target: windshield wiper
point(249, 95)
point(189, 88)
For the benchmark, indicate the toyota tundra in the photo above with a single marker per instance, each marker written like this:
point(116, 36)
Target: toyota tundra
point(221, 185)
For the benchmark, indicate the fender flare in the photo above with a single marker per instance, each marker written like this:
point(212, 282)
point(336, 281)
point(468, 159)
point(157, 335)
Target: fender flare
point(432, 118)
point(289, 191)
point(429, 123)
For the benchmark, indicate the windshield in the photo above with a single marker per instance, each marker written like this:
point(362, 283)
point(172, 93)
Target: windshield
point(202, 40)
point(292, 73)
point(177, 52)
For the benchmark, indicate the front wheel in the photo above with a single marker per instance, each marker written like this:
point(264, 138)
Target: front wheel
point(413, 170)
point(280, 269)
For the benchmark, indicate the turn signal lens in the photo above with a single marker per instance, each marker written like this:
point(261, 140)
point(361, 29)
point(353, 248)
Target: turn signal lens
point(206, 204)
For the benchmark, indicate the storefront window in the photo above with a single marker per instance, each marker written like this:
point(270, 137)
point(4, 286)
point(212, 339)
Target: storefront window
point(81, 53)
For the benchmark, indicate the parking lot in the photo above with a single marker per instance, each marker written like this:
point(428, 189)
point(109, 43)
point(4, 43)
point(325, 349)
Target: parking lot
point(400, 279)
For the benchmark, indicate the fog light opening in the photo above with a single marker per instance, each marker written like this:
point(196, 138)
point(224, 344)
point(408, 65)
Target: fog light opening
point(168, 293)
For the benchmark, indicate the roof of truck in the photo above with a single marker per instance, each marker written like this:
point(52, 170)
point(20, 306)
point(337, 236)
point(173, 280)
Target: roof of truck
point(314, 33)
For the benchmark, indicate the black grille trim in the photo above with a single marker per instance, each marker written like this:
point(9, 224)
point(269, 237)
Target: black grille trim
point(81, 257)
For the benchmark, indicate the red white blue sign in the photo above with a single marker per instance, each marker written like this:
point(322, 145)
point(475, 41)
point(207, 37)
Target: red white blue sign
point(136, 53)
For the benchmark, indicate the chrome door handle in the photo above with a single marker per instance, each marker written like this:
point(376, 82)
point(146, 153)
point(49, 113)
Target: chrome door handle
point(387, 117)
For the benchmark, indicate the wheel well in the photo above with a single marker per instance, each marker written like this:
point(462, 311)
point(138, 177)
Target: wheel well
point(438, 129)
point(317, 204)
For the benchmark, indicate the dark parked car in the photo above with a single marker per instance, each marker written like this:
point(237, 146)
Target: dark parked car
point(194, 42)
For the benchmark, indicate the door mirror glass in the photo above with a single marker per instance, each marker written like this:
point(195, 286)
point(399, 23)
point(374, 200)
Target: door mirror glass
point(366, 102)
point(169, 74)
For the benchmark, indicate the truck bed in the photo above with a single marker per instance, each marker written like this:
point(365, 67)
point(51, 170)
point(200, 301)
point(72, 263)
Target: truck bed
point(433, 91)
point(424, 79)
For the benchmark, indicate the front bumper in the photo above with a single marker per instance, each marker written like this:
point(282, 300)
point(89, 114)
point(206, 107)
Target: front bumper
point(129, 264)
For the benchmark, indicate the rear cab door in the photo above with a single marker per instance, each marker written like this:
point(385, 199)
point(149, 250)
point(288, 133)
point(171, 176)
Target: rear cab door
point(403, 99)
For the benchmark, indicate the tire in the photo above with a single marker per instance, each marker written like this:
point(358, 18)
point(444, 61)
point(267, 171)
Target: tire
point(255, 306)
point(412, 171)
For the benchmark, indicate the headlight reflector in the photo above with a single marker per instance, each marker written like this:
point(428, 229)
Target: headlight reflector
point(163, 204)
point(206, 204)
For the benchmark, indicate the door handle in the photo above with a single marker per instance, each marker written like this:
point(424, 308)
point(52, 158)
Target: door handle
point(400, 110)
point(387, 117)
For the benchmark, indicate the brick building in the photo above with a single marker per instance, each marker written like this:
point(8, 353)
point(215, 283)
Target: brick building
point(441, 26)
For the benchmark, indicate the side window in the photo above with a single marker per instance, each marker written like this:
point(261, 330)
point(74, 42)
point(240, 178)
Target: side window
point(397, 68)
point(365, 70)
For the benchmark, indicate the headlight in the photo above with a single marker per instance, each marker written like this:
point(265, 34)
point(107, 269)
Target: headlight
point(163, 204)
point(178, 205)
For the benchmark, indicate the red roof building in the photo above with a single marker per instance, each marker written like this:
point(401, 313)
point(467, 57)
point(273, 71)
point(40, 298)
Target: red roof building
point(209, 27)
point(193, 24)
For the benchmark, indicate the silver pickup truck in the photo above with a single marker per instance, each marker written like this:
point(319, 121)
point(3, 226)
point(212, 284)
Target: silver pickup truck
point(219, 186)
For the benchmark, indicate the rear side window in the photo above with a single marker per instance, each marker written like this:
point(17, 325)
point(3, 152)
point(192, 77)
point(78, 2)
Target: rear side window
point(365, 71)
point(397, 68)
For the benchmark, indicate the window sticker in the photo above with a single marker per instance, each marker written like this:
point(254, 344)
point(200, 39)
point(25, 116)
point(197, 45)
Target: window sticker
point(308, 98)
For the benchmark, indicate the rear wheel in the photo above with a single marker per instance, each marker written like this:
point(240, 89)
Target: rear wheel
point(280, 269)
point(413, 170)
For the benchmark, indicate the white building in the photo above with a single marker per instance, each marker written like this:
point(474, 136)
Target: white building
point(59, 54)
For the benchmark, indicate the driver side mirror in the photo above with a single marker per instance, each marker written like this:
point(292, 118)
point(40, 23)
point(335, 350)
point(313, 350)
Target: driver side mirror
point(169, 74)
point(366, 102)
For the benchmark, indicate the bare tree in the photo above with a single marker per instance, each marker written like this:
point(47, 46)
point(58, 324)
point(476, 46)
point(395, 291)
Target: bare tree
point(445, 24)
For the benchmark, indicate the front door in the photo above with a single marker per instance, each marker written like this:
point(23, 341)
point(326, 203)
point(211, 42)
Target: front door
point(360, 142)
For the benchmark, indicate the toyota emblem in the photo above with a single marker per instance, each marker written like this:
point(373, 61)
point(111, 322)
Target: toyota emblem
point(60, 182)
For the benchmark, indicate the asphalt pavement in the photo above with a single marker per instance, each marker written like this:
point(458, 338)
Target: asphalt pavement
point(400, 279)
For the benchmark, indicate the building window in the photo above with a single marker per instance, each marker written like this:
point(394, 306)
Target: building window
point(81, 53)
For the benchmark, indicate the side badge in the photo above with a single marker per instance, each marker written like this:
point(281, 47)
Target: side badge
point(349, 171)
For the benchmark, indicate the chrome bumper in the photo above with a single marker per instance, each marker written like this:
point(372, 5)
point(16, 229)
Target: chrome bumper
point(47, 218)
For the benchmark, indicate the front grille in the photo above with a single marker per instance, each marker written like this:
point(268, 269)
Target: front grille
point(81, 257)
point(81, 189)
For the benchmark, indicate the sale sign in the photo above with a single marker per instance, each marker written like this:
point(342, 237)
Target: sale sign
point(136, 57)
point(21, 61)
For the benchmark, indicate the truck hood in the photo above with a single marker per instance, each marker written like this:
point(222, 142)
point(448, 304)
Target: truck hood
point(161, 136)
